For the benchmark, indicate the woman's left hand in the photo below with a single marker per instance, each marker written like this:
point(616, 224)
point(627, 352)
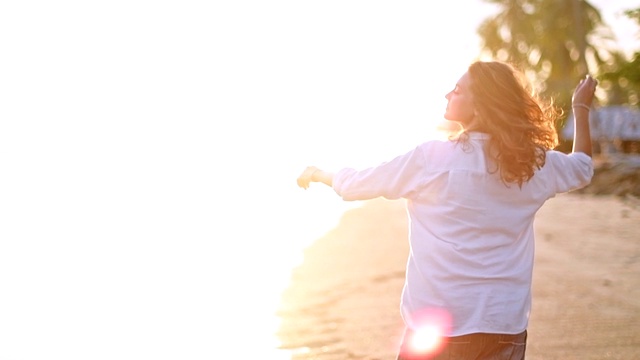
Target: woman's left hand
point(583, 94)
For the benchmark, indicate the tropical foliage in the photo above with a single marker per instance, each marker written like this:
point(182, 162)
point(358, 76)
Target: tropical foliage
point(554, 42)
point(622, 78)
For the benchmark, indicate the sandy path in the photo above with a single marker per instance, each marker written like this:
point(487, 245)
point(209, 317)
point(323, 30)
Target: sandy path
point(343, 300)
point(586, 280)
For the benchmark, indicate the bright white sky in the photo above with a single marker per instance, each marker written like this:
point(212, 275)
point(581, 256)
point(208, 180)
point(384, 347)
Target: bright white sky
point(149, 149)
point(626, 30)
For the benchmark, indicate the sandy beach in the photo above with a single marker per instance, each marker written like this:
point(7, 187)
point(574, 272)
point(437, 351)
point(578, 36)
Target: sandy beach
point(343, 300)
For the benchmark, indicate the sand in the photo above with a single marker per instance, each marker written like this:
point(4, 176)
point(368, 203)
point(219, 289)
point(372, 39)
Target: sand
point(343, 300)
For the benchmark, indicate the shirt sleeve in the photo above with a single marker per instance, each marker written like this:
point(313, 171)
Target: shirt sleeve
point(570, 171)
point(394, 179)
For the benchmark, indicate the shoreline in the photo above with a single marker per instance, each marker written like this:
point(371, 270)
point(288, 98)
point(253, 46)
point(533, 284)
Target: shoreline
point(343, 300)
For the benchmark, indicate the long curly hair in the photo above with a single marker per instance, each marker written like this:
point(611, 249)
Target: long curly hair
point(521, 124)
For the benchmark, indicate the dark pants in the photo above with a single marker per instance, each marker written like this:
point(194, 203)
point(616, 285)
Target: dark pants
point(478, 346)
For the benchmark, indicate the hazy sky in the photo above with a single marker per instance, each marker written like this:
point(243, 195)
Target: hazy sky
point(627, 31)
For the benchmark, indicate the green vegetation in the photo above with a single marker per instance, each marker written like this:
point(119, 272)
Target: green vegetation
point(556, 43)
point(623, 77)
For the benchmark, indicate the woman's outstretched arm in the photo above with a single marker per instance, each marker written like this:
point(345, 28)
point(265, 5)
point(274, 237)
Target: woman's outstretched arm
point(581, 104)
point(313, 174)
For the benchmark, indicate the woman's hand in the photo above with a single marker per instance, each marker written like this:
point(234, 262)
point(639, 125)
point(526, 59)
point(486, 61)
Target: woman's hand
point(583, 94)
point(307, 176)
point(581, 104)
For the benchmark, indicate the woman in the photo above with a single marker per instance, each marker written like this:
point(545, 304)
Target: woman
point(471, 202)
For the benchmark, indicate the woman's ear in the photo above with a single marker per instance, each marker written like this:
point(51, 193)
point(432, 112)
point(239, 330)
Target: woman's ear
point(474, 122)
point(476, 115)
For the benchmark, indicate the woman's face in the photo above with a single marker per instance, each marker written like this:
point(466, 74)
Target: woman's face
point(460, 106)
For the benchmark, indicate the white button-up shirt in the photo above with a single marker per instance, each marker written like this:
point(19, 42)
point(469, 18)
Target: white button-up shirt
point(471, 236)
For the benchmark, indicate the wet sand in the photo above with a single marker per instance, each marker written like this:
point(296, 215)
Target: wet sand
point(343, 300)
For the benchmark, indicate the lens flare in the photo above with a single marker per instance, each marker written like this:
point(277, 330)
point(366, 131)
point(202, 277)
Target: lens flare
point(425, 339)
point(426, 335)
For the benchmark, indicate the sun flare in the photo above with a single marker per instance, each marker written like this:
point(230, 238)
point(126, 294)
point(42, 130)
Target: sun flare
point(426, 339)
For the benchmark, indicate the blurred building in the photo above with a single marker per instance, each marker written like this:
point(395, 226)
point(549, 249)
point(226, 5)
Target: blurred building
point(614, 129)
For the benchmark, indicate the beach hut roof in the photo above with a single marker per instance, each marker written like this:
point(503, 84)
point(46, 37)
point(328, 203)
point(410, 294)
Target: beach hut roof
point(609, 123)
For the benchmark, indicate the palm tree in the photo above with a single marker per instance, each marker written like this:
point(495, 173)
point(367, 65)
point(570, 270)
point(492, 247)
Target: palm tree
point(551, 40)
point(622, 77)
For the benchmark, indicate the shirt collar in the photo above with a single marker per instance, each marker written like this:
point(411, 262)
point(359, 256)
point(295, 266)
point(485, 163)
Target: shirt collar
point(478, 135)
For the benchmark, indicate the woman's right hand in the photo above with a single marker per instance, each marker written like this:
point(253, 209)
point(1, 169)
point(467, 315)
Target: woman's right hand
point(307, 177)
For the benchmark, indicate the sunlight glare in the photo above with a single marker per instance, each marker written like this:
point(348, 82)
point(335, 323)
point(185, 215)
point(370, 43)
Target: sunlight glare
point(429, 328)
point(426, 339)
